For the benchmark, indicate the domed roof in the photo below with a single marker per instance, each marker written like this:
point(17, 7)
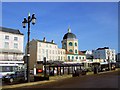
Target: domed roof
point(69, 35)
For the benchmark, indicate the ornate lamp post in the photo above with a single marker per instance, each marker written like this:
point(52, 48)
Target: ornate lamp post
point(27, 21)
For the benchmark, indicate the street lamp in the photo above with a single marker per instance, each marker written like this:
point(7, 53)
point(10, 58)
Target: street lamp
point(108, 53)
point(27, 21)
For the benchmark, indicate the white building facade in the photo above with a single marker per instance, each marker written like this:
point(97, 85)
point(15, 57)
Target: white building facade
point(88, 54)
point(11, 46)
point(104, 53)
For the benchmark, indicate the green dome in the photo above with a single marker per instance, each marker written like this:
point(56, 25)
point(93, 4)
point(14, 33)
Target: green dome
point(69, 35)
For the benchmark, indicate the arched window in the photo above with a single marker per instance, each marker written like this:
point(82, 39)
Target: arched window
point(70, 50)
point(75, 44)
point(70, 43)
point(68, 57)
point(75, 51)
point(72, 57)
point(76, 57)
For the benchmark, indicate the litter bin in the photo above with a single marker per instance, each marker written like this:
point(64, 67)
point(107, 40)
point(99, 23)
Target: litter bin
point(95, 70)
point(76, 73)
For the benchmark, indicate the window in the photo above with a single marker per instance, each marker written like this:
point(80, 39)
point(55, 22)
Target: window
point(7, 37)
point(6, 45)
point(15, 45)
point(72, 57)
point(39, 57)
point(79, 57)
point(58, 52)
point(7, 69)
point(76, 57)
point(75, 51)
point(83, 57)
point(58, 57)
point(39, 50)
point(6, 56)
point(43, 51)
point(47, 53)
point(15, 56)
point(68, 57)
point(70, 50)
point(15, 38)
point(70, 43)
point(75, 44)
point(39, 44)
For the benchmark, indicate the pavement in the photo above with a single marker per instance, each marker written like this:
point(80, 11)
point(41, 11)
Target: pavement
point(52, 79)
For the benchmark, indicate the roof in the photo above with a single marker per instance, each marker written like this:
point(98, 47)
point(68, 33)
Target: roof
point(103, 48)
point(69, 35)
point(83, 51)
point(9, 30)
point(79, 53)
point(46, 42)
point(69, 52)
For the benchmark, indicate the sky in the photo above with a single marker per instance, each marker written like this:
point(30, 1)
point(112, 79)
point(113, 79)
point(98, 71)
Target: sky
point(95, 24)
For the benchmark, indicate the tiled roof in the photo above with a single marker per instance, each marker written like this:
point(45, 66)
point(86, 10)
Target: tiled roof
point(69, 52)
point(79, 53)
point(9, 30)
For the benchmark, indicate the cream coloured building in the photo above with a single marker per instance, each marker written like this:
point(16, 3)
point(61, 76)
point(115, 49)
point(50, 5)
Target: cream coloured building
point(42, 48)
point(69, 52)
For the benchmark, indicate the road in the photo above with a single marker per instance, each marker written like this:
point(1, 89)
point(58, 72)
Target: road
point(104, 80)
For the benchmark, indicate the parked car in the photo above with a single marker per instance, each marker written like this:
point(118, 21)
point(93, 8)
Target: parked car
point(18, 77)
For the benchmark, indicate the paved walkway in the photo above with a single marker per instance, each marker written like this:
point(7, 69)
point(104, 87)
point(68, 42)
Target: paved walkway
point(52, 79)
